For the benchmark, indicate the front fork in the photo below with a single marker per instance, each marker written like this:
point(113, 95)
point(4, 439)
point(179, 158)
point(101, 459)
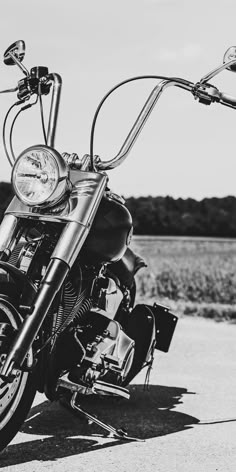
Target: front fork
point(84, 201)
point(63, 257)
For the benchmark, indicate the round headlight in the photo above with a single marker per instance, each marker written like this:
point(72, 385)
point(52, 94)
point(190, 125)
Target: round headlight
point(39, 176)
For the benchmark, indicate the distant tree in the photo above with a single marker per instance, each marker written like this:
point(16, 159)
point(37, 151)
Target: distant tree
point(169, 216)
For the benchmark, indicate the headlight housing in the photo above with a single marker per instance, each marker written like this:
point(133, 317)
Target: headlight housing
point(40, 176)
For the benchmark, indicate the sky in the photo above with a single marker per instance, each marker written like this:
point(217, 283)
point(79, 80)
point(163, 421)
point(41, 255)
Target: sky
point(185, 149)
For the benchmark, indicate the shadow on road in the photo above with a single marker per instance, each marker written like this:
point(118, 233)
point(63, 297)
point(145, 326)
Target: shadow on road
point(147, 414)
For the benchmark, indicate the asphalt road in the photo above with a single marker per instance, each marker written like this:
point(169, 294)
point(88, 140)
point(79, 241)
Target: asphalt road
point(187, 418)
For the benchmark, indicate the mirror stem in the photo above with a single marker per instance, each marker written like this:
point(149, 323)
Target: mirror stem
point(19, 64)
point(216, 71)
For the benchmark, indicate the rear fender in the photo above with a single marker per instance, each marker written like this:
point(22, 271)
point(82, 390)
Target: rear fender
point(140, 326)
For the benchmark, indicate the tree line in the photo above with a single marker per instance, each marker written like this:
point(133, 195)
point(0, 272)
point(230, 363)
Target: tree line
point(214, 217)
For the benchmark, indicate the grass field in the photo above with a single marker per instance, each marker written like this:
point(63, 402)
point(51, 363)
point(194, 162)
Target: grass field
point(191, 275)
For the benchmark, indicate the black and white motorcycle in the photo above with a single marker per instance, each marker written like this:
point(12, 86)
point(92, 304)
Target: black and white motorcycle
point(69, 326)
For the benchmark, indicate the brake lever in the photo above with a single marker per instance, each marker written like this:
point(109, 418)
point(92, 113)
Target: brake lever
point(206, 93)
point(35, 83)
point(9, 90)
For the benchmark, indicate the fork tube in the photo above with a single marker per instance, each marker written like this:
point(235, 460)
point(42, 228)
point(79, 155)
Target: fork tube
point(51, 283)
point(55, 102)
point(8, 230)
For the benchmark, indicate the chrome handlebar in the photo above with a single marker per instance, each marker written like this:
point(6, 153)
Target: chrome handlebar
point(227, 100)
point(30, 85)
point(203, 91)
point(140, 122)
point(38, 83)
point(55, 102)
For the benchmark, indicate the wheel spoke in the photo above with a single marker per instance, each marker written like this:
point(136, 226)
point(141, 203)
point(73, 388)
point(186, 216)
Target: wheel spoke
point(10, 393)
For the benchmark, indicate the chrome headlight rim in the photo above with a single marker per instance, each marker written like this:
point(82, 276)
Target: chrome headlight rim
point(62, 171)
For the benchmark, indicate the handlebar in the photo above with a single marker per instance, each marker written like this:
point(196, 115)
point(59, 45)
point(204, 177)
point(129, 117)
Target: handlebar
point(204, 92)
point(55, 102)
point(141, 120)
point(227, 100)
point(38, 81)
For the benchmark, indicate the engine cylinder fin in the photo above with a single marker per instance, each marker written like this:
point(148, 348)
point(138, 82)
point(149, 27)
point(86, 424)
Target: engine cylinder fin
point(59, 320)
point(73, 305)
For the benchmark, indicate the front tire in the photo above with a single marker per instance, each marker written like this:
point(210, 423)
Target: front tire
point(16, 397)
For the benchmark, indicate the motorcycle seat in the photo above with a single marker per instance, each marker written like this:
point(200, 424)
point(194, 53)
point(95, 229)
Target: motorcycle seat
point(126, 268)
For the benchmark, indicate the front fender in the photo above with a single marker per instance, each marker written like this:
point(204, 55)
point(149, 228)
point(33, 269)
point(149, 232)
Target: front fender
point(15, 283)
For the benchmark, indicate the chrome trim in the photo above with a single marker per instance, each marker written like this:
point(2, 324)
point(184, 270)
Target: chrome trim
point(16, 51)
point(110, 389)
point(216, 71)
point(8, 230)
point(85, 197)
point(85, 162)
point(19, 64)
point(82, 207)
point(75, 162)
point(141, 120)
point(64, 382)
point(70, 243)
point(72, 160)
point(19, 209)
point(55, 102)
point(86, 194)
point(62, 180)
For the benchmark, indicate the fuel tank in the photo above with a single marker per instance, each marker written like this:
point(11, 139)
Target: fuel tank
point(111, 230)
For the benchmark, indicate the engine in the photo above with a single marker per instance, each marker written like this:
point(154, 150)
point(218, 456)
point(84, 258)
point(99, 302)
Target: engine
point(88, 343)
point(107, 351)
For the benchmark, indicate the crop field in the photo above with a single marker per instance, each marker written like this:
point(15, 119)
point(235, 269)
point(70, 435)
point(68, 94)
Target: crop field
point(191, 275)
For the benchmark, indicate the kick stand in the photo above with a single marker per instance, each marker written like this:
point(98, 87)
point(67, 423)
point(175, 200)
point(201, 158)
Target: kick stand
point(116, 433)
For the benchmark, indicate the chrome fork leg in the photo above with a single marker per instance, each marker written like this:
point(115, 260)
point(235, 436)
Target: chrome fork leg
point(118, 433)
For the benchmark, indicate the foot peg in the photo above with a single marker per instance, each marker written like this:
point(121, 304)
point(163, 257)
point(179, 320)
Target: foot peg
point(99, 387)
point(118, 433)
point(105, 388)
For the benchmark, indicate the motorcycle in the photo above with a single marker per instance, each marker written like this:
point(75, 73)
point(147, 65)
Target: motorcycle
point(69, 325)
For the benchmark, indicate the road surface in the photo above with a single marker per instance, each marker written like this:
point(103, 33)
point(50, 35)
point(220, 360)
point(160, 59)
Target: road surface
point(187, 418)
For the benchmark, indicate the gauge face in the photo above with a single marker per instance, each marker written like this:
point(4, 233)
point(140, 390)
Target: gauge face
point(36, 175)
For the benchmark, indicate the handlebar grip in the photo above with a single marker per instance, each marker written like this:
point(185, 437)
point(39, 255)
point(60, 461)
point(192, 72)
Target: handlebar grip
point(227, 100)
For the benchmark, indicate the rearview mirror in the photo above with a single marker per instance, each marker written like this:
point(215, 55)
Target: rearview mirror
point(15, 53)
point(230, 55)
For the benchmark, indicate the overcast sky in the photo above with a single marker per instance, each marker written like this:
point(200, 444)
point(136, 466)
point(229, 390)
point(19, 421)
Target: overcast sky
point(186, 149)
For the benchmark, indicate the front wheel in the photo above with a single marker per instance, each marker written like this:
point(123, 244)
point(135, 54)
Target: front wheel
point(16, 397)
